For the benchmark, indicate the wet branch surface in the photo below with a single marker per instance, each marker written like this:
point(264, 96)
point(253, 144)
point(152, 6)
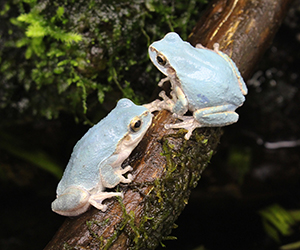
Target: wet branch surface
point(166, 166)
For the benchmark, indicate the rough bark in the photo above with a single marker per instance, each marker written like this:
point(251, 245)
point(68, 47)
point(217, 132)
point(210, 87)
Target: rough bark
point(166, 167)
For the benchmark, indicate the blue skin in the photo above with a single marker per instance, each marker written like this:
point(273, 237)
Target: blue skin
point(203, 81)
point(95, 163)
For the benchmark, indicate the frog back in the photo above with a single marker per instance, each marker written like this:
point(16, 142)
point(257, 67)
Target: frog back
point(206, 77)
point(96, 146)
point(210, 81)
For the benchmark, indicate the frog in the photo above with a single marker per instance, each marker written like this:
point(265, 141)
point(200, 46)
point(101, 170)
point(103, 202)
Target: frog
point(95, 163)
point(205, 82)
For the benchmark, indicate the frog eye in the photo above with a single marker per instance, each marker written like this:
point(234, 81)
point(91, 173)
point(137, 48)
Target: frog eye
point(161, 60)
point(135, 124)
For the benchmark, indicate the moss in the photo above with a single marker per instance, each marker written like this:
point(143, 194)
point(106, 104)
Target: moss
point(169, 195)
point(66, 246)
point(66, 56)
point(239, 162)
point(94, 235)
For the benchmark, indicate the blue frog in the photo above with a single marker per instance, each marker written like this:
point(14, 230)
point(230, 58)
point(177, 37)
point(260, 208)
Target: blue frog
point(205, 82)
point(95, 163)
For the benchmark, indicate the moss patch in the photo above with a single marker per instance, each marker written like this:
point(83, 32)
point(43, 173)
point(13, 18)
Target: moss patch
point(66, 56)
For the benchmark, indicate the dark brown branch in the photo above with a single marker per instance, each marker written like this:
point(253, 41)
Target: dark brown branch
point(167, 167)
point(244, 29)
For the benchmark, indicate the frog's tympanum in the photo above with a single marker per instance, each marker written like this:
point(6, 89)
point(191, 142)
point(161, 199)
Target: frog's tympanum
point(205, 82)
point(95, 163)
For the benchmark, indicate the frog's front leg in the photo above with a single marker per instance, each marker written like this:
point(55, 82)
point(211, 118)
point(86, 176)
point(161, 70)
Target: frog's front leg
point(158, 105)
point(162, 81)
point(200, 46)
point(178, 104)
point(112, 176)
point(120, 171)
point(73, 201)
point(167, 103)
point(154, 106)
point(181, 105)
point(216, 47)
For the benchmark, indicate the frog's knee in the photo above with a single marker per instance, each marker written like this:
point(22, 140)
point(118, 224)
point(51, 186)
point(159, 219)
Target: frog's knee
point(72, 202)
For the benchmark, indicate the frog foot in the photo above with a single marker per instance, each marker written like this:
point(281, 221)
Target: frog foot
point(189, 123)
point(162, 81)
point(167, 103)
point(124, 171)
point(72, 202)
point(158, 105)
point(200, 46)
point(216, 47)
point(153, 106)
point(165, 98)
point(97, 199)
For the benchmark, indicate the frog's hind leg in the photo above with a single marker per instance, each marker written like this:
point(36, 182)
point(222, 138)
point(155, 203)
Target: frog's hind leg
point(72, 202)
point(97, 199)
point(217, 116)
point(112, 176)
point(207, 117)
point(217, 119)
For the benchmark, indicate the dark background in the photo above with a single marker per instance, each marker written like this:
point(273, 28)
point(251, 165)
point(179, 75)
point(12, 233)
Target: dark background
point(243, 178)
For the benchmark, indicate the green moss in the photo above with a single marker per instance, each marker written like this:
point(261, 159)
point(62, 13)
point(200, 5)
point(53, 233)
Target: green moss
point(168, 195)
point(95, 236)
point(239, 161)
point(68, 247)
point(66, 56)
point(277, 221)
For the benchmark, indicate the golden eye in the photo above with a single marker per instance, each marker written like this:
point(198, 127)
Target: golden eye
point(161, 60)
point(135, 124)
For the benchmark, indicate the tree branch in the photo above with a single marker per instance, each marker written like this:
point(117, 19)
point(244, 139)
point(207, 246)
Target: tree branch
point(166, 167)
